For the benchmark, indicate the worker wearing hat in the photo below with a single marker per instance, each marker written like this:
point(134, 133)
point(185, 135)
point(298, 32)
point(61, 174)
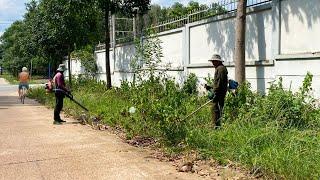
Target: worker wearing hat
point(61, 89)
point(219, 89)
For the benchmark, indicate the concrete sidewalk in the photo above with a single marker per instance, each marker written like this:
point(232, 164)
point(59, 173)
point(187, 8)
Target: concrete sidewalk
point(31, 147)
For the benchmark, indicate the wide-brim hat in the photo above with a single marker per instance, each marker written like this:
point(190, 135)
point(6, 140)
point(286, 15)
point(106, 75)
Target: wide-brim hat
point(62, 67)
point(216, 57)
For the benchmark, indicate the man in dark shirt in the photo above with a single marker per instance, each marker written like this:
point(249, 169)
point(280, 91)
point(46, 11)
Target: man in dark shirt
point(60, 91)
point(219, 89)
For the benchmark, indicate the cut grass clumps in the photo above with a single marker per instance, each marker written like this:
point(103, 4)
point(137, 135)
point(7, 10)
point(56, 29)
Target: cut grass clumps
point(276, 135)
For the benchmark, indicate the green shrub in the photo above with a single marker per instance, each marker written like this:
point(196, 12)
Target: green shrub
point(276, 134)
point(190, 86)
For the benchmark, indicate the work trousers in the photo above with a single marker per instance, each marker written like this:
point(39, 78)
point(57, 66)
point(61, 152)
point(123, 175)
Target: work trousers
point(59, 106)
point(216, 110)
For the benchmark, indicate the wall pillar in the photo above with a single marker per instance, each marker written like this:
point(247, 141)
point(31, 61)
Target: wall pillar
point(114, 43)
point(276, 28)
point(186, 49)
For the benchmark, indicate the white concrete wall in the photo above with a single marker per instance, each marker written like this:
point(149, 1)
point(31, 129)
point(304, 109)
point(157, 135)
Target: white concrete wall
point(101, 64)
point(219, 37)
point(299, 43)
point(76, 68)
point(289, 27)
point(293, 72)
point(300, 26)
point(124, 55)
point(172, 49)
point(118, 77)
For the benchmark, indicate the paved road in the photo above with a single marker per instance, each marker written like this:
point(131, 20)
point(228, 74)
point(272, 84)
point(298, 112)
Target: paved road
point(31, 147)
point(5, 88)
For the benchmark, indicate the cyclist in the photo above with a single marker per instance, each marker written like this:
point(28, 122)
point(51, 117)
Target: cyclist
point(23, 79)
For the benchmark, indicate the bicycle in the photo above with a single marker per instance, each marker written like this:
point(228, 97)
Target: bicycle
point(23, 94)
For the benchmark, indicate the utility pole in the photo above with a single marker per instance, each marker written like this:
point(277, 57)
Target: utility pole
point(141, 23)
point(134, 26)
point(69, 67)
point(135, 20)
point(240, 48)
point(113, 30)
point(107, 44)
point(114, 42)
point(31, 70)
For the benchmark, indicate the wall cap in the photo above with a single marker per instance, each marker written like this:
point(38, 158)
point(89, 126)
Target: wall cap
point(231, 64)
point(298, 56)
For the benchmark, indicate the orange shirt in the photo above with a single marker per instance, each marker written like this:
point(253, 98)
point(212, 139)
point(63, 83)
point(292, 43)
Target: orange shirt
point(24, 77)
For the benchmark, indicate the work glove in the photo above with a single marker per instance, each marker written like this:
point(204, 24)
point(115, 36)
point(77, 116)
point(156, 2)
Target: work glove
point(211, 94)
point(207, 87)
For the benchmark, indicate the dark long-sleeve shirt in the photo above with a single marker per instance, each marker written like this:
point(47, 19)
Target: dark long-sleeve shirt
point(220, 82)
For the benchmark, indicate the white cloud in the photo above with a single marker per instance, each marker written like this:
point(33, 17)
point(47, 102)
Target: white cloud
point(11, 10)
point(6, 4)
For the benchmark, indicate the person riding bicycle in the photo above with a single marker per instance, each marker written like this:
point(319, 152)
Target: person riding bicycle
point(23, 80)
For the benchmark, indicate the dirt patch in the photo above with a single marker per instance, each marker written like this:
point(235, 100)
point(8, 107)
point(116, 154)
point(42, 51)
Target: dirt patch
point(141, 141)
point(190, 163)
point(187, 163)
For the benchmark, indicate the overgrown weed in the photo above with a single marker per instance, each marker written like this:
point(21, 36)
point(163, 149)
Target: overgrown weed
point(275, 134)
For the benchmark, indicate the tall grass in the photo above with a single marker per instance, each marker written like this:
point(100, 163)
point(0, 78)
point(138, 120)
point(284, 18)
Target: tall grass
point(276, 134)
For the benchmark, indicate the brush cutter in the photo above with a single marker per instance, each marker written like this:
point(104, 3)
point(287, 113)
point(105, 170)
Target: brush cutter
point(211, 96)
point(70, 96)
point(197, 110)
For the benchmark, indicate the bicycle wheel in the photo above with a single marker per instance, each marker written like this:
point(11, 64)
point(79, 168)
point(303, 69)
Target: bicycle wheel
point(23, 95)
point(20, 95)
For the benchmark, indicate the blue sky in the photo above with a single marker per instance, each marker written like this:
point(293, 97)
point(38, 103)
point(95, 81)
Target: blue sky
point(12, 10)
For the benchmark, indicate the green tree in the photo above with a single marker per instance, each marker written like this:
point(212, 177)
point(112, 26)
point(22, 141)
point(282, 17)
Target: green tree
point(86, 57)
point(216, 9)
point(177, 10)
point(67, 24)
point(51, 30)
point(192, 6)
point(127, 7)
point(13, 54)
point(155, 15)
point(159, 14)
